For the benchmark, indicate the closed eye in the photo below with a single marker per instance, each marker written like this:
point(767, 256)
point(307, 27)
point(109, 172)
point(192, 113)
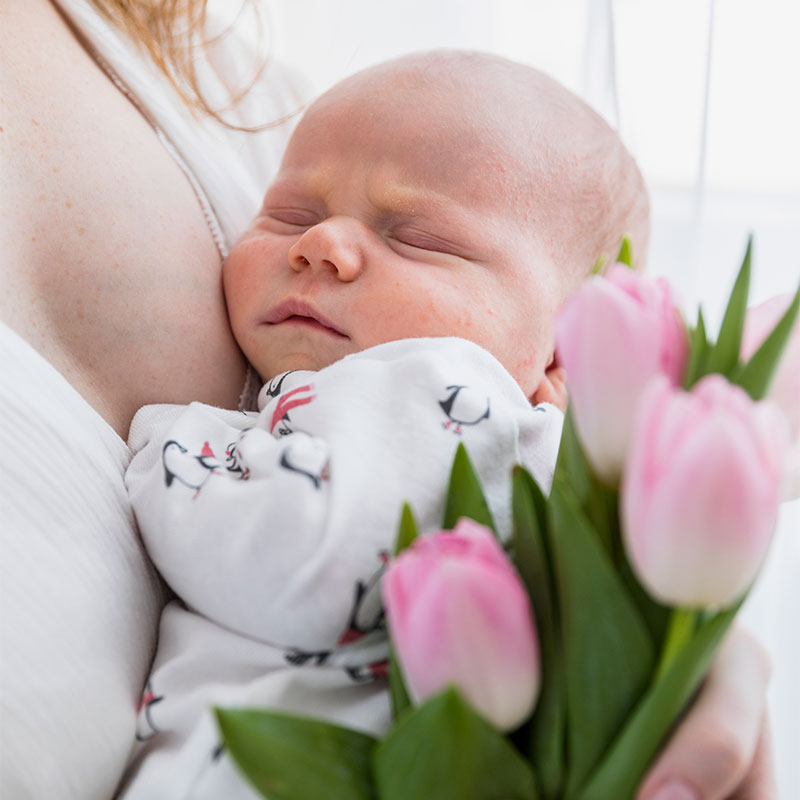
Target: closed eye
point(422, 240)
point(287, 220)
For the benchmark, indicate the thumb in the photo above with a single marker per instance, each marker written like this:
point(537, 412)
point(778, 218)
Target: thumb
point(715, 751)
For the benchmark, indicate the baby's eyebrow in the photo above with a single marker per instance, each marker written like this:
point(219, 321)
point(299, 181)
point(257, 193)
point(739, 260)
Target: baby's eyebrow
point(389, 195)
point(392, 197)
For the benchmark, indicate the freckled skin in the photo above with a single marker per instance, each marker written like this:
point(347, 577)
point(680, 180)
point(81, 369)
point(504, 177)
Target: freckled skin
point(94, 210)
point(398, 212)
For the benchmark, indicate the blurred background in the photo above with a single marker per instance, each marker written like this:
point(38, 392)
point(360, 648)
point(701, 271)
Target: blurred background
point(707, 97)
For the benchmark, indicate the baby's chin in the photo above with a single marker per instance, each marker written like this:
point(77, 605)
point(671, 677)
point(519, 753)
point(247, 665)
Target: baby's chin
point(293, 362)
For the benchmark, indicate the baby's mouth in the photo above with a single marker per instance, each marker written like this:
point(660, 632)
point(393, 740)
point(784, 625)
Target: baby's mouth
point(310, 322)
point(293, 312)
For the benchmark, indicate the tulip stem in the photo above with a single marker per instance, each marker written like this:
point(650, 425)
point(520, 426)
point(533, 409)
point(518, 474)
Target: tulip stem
point(679, 631)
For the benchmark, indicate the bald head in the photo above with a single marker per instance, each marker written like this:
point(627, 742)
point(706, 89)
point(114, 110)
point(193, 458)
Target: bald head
point(440, 194)
point(516, 135)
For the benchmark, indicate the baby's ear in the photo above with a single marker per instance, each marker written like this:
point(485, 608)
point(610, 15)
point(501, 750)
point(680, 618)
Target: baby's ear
point(553, 388)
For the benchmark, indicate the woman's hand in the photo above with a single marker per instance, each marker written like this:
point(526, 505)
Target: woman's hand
point(721, 750)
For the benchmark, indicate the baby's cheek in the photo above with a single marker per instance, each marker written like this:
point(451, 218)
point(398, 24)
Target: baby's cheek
point(526, 354)
point(529, 374)
point(233, 279)
point(408, 312)
point(240, 267)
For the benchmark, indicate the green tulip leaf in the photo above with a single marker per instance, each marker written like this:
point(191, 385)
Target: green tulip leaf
point(757, 374)
point(444, 750)
point(655, 615)
point(546, 734)
point(625, 255)
point(608, 652)
point(724, 356)
point(398, 692)
point(699, 350)
point(599, 265)
point(465, 496)
point(294, 758)
point(571, 463)
point(632, 752)
point(597, 501)
point(407, 530)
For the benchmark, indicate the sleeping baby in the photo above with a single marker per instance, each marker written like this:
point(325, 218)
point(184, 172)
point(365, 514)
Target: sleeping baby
point(396, 293)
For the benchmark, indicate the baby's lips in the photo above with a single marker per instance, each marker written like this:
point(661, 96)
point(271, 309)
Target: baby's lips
point(288, 309)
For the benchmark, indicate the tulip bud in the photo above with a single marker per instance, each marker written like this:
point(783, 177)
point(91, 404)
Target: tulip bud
point(459, 615)
point(612, 336)
point(700, 493)
point(785, 388)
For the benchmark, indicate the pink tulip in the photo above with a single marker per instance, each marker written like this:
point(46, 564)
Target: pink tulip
point(612, 336)
point(785, 389)
point(701, 489)
point(459, 615)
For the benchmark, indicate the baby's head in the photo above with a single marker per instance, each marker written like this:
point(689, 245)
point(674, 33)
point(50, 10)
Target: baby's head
point(440, 194)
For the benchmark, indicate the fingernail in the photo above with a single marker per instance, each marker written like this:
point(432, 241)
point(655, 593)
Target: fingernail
point(676, 790)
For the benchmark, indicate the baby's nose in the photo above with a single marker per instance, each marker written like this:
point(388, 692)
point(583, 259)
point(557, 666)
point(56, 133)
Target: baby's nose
point(333, 245)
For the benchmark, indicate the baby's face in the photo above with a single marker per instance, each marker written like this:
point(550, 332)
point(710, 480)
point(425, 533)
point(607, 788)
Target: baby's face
point(390, 220)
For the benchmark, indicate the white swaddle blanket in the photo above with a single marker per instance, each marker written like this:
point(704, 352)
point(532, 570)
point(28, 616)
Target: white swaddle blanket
point(274, 530)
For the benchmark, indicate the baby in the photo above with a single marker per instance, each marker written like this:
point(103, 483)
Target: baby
point(397, 292)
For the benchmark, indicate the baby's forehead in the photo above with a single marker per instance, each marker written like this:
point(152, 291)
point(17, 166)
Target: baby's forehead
point(479, 99)
point(503, 115)
point(440, 122)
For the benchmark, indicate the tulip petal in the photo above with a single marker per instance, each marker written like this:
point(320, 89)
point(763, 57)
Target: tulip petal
point(612, 336)
point(458, 614)
point(467, 637)
point(700, 493)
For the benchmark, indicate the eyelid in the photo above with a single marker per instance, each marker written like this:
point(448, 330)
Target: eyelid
point(422, 240)
point(300, 217)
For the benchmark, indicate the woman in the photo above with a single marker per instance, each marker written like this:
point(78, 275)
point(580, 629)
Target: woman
point(116, 209)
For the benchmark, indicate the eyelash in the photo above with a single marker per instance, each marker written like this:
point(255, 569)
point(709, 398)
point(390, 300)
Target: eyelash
point(292, 218)
point(421, 242)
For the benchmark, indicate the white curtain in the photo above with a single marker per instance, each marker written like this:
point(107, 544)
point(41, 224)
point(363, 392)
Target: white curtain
point(707, 97)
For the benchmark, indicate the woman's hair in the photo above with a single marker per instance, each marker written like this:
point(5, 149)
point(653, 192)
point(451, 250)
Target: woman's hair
point(172, 32)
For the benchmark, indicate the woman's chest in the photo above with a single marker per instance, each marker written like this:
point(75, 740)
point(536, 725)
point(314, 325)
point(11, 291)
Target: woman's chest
point(106, 249)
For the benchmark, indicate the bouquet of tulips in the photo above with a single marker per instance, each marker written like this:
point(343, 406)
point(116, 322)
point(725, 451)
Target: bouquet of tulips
point(555, 665)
